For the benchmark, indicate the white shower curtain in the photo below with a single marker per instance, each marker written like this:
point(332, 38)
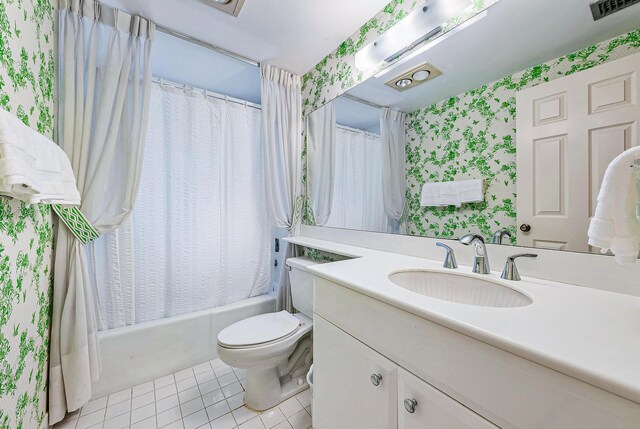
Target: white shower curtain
point(321, 147)
point(282, 139)
point(357, 195)
point(393, 136)
point(104, 77)
point(199, 236)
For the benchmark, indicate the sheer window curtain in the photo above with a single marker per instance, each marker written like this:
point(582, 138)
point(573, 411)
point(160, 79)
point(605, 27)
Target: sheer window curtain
point(321, 153)
point(357, 195)
point(104, 77)
point(393, 136)
point(199, 236)
point(282, 140)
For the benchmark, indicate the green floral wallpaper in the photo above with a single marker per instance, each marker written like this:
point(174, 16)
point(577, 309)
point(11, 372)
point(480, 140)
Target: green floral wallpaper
point(26, 238)
point(472, 135)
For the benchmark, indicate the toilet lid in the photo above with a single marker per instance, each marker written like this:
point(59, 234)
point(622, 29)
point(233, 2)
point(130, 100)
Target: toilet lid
point(260, 329)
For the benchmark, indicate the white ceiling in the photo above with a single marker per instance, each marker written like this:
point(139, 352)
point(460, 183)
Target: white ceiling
point(292, 34)
point(515, 35)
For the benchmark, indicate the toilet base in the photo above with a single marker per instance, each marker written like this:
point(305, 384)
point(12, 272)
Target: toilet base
point(265, 390)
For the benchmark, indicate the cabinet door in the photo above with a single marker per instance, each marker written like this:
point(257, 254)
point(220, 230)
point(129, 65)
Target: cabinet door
point(345, 395)
point(429, 408)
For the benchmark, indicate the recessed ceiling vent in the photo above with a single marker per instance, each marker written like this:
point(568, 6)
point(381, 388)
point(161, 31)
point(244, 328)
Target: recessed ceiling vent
point(604, 8)
point(414, 77)
point(232, 7)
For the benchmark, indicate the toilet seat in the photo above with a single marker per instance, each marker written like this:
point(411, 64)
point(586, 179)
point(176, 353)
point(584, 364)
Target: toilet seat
point(259, 330)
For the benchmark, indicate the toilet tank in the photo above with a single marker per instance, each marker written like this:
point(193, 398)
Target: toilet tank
point(302, 284)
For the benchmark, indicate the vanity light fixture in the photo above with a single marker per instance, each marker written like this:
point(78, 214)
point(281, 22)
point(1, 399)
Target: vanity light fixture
point(414, 77)
point(232, 7)
point(416, 29)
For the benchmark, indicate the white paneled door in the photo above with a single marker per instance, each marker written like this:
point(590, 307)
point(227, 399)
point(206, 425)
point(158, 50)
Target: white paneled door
point(568, 131)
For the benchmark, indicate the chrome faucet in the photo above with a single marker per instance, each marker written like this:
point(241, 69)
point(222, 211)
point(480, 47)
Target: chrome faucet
point(480, 260)
point(450, 259)
point(510, 271)
point(499, 236)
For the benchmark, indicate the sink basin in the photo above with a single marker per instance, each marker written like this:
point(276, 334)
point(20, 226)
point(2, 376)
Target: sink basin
point(461, 289)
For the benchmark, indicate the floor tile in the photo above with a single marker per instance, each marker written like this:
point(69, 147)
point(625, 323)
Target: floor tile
point(240, 373)
point(195, 420)
point(142, 400)
point(203, 367)
point(191, 406)
point(222, 370)
point(169, 416)
point(165, 391)
point(272, 417)
point(243, 414)
point(141, 389)
point(117, 409)
point(185, 373)
point(304, 398)
point(290, 407)
point(189, 394)
point(93, 406)
point(164, 381)
point(284, 425)
point(71, 416)
point(89, 420)
point(167, 403)
point(213, 397)
point(203, 377)
point(217, 410)
point(120, 396)
point(236, 401)
point(186, 383)
point(225, 422)
point(254, 423)
point(301, 420)
point(227, 379)
point(232, 389)
point(119, 422)
point(70, 424)
point(143, 413)
point(175, 425)
point(208, 386)
point(216, 363)
point(148, 423)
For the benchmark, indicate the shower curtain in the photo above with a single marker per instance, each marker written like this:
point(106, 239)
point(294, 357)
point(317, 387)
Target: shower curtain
point(357, 192)
point(199, 235)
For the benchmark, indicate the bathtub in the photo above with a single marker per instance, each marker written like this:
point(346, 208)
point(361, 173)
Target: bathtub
point(140, 353)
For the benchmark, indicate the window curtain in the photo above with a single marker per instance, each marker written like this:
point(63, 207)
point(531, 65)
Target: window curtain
point(282, 140)
point(393, 136)
point(199, 236)
point(104, 77)
point(357, 197)
point(321, 147)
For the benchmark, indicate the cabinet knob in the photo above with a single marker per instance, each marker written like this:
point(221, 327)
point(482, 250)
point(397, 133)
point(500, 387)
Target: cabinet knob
point(410, 405)
point(376, 379)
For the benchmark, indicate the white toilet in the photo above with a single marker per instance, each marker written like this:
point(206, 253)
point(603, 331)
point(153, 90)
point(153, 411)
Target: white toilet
point(274, 348)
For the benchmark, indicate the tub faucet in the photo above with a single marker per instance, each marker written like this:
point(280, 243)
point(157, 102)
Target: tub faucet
point(499, 236)
point(480, 260)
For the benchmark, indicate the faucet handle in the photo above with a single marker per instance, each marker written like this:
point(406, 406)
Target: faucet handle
point(450, 259)
point(510, 271)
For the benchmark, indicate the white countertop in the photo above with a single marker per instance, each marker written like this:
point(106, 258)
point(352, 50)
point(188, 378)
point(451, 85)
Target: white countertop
point(588, 334)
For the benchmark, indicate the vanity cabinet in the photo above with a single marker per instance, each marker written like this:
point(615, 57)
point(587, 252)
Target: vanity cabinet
point(357, 387)
point(457, 381)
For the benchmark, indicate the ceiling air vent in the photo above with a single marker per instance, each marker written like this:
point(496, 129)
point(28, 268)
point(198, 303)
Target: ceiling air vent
point(414, 77)
point(232, 7)
point(604, 8)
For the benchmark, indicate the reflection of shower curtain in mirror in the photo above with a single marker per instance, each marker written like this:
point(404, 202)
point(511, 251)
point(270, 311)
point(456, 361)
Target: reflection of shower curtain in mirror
point(357, 195)
point(199, 235)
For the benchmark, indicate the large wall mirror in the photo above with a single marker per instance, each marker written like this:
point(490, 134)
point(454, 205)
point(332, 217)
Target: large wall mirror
point(503, 128)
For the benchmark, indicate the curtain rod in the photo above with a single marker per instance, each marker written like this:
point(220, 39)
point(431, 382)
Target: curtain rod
point(360, 100)
point(172, 32)
point(206, 92)
point(356, 130)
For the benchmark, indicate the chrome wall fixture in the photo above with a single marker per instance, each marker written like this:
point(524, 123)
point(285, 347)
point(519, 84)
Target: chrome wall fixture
point(232, 7)
point(414, 77)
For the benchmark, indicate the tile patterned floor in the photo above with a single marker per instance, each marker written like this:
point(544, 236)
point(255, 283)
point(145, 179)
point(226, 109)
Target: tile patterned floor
point(207, 396)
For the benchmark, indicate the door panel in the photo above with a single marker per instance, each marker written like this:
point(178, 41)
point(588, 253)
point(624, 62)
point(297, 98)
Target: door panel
point(568, 131)
point(344, 395)
point(433, 409)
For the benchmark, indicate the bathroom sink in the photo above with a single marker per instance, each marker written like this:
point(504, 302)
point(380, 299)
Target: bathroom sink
point(458, 288)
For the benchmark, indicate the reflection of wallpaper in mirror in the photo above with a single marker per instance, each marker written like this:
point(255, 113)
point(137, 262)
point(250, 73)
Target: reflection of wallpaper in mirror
point(472, 135)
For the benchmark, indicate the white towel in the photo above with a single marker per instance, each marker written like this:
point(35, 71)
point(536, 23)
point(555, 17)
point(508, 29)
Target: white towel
point(449, 194)
point(615, 226)
point(430, 196)
point(471, 191)
point(33, 169)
